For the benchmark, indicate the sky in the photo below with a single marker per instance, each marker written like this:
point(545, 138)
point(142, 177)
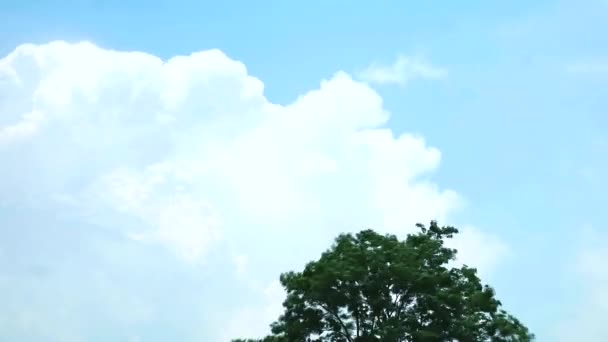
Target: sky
point(161, 163)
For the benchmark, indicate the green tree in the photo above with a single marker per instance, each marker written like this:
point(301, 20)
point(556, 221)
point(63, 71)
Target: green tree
point(372, 287)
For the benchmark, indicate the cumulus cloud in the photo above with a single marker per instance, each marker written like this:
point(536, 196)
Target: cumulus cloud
point(188, 154)
point(183, 143)
point(402, 71)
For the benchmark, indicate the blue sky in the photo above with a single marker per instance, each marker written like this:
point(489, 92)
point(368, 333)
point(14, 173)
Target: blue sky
point(168, 213)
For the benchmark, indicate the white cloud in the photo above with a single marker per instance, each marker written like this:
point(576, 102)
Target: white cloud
point(402, 71)
point(182, 221)
point(27, 126)
point(106, 142)
point(479, 249)
point(188, 153)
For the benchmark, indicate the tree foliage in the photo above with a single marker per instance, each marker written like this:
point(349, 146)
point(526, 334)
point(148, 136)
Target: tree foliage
point(370, 287)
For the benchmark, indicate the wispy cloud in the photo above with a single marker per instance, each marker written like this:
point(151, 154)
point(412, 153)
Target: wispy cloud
point(403, 70)
point(589, 67)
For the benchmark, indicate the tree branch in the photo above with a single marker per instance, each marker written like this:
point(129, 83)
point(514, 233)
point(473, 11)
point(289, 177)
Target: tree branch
point(346, 333)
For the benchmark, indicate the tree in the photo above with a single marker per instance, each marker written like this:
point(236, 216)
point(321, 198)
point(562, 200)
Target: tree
point(371, 287)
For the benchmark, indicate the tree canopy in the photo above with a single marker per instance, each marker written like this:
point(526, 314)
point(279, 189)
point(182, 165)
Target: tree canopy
point(371, 287)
